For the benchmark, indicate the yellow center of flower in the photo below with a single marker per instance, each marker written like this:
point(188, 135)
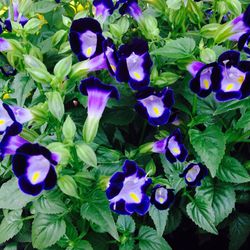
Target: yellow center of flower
point(229, 87)
point(161, 200)
point(137, 76)
point(88, 51)
point(189, 179)
point(2, 121)
point(176, 150)
point(206, 83)
point(241, 79)
point(156, 110)
point(6, 96)
point(35, 176)
point(113, 67)
point(134, 197)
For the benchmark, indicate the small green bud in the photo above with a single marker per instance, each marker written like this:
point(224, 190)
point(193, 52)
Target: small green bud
point(149, 27)
point(210, 30)
point(56, 106)
point(146, 148)
point(33, 62)
point(39, 75)
point(86, 154)
point(69, 128)
point(33, 26)
point(207, 55)
point(58, 37)
point(63, 67)
point(68, 185)
point(66, 21)
point(166, 79)
point(61, 150)
point(150, 168)
point(234, 6)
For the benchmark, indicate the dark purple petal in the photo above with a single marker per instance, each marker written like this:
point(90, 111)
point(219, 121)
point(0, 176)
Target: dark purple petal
point(119, 207)
point(19, 164)
point(140, 208)
point(28, 188)
point(51, 178)
point(129, 168)
point(246, 16)
point(229, 58)
point(245, 88)
point(115, 186)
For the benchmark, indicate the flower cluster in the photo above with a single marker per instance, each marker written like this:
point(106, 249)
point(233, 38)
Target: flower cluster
point(32, 164)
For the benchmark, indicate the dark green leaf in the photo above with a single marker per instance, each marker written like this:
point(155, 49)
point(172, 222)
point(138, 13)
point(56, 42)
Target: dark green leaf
point(209, 145)
point(125, 223)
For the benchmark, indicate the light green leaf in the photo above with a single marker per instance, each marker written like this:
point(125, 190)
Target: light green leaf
point(220, 196)
point(47, 230)
point(159, 218)
point(202, 214)
point(68, 185)
point(11, 197)
point(209, 145)
point(86, 154)
point(231, 170)
point(97, 210)
point(44, 6)
point(125, 223)
point(10, 225)
point(239, 230)
point(176, 49)
point(82, 245)
point(45, 205)
point(150, 240)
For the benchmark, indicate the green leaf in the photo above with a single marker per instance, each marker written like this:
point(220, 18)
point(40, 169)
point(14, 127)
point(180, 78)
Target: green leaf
point(82, 245)
point(209, 145)
point(176, 49)
point(46, 205)
point(128, 245)
point(150, 240)
point(125, 224)
point(238, 231)
point(86, 154)
point(11, 197)
point(44, 6)
point(47, 230)
point(11, 246)
point(68, 185)
point(220, 196)
point(56, 106)
point(202, 214)
point(159, 218)
point(97, 210)
point(174, 220)
point(10, 225)
point(231, 170)
point(244, 121)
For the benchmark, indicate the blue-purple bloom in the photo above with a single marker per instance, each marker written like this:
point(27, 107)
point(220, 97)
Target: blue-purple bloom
point(103, 8)
point(240, 25)
point(8, 70)
point(34, 166)
point(175, 149)
point(127, 190)
point(231, 77)
point(194, 173)
point(130, 7)
point(4, 45)
point(86, 38)
point(98, 95)
point(243, 43)
point(22, 20)
point(201, 83)
point(162, 197)
point(155, 106)
point(134, 64)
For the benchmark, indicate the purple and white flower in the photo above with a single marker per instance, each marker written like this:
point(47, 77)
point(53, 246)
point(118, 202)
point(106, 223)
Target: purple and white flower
point(103, 8)
point(34, 166)
point(4, 45)
point(86, 38)
point(162, 197)
point(127, 190)
point(134, 64)
point(231, 77)
point(194, 173)
point(130, 7)
point(98, 95)
point(155, 106)
point(175, 149)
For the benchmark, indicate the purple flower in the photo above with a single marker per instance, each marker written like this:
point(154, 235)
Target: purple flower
point(98, 95)
point(10, 114)
point(134, 64)
point(194, 173)
point(231, 77)
point(23, 20)
point(243, 43)
point(162, 197)
point(127, 190)
point(240, 25)
point(155, 106)
point(4, 44)
point(34, 166)
point(175, 150)
point(201, 83)
point(103, 8)
point(8, 70)
point(130, 7)
point(86, 38)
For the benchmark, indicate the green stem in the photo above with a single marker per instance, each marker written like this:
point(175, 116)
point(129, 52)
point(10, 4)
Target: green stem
point(143, 132)
point(28, 218)
point(194, 108)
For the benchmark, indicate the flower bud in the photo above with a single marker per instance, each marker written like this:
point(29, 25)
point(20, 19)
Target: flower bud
point(69, 128)
point(86, 154)
point(56, 106)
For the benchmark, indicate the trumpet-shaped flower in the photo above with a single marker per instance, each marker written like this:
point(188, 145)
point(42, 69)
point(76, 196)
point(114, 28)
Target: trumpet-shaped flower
point(103, 8)
point(98, 95)
point(22, 20)
point(134, 64)
point(34, 166)
point(175, 149)
point(130, 7)
point(86, 38)
point(194, 173)
point(231, 77)
point(162, 197)
point(4, 45)
point(127, 190)
point(243, 42)
point(155, 106)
